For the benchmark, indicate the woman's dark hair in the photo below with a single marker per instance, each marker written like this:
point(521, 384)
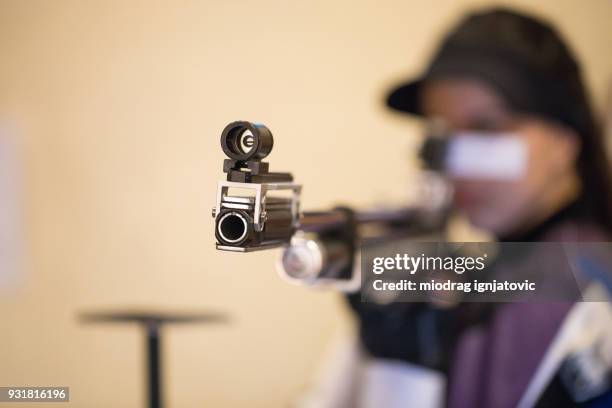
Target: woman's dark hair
point(595, 201)
point(556, 90)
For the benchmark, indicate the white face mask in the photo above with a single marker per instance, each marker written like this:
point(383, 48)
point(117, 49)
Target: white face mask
point(500, 156)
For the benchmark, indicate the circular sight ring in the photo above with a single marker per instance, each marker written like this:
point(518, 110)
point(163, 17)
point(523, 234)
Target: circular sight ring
point(244, 141)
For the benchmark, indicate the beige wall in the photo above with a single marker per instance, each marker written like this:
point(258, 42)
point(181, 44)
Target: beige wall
point(119, 106)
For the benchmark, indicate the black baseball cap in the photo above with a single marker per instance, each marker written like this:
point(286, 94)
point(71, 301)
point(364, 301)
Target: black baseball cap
point(520, 56)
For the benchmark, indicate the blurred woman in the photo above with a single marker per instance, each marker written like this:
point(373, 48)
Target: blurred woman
point(500, 72)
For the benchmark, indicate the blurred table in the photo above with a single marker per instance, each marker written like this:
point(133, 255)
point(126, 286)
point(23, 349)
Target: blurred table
point(152, 322)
